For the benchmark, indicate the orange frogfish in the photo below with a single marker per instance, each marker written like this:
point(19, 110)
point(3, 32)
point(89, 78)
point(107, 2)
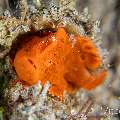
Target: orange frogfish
point(53, 58)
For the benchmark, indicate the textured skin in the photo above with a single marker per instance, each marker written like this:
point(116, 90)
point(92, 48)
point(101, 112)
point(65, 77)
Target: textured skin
point(54, 59)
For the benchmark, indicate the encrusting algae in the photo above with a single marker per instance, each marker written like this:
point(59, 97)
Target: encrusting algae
point(53, 58)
